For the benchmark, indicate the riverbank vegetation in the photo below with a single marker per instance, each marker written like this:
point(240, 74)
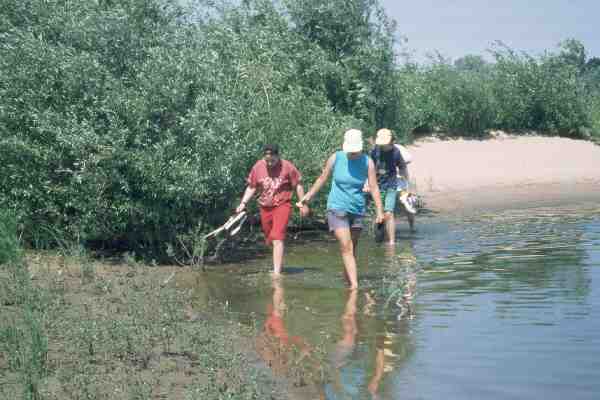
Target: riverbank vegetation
point(130, 124)
point(73, 327)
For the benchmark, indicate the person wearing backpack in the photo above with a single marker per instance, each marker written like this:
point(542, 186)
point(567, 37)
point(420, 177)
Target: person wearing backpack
point(390, 167)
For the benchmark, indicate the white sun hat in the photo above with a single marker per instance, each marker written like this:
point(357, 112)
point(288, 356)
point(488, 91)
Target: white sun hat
point(353, 141)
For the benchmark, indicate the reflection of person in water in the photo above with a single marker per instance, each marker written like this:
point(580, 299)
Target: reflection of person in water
point(276, 347)
point(379, 366)
point(392, 347)
point(402, 267)
point(345, 346)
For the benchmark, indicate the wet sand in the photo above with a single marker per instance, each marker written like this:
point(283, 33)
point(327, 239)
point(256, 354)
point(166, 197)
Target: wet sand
point(505, 172)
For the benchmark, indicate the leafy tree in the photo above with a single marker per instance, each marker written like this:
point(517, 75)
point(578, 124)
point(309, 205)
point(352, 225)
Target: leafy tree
point(358, 40)
point(592, 74)
point(544, 94)
point(137, 125)
point(129, 123)
point(471, 63)
point(572, 52)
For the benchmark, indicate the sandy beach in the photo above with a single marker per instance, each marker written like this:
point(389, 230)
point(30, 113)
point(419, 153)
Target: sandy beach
point(505, 172)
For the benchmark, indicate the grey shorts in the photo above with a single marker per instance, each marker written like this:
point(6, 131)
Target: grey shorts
point(341, 219)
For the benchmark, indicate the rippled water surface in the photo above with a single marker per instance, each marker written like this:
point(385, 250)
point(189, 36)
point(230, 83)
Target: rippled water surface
point(499, 306)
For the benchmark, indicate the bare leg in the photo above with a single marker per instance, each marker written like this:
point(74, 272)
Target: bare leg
point(378, 374)
point(278, 249)
point(345, 239)
point(390, 227)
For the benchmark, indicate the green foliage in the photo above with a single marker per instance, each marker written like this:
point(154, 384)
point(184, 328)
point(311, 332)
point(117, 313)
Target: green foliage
point(441, 96)
point(132, 341)
point(551, 93)
point(595, 117)
point(10, 251)
point(591, 74)
point(544, 94)
point(357, 39)
point(139, 124)
point(470, 62)
point(129, 123)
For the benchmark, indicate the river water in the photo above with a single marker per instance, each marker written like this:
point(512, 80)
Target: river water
point(497, 306)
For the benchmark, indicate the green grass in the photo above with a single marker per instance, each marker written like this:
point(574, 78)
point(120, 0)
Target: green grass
point(9, 244)
point(86, 330)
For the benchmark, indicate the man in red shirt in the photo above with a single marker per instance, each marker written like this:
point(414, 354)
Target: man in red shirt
point(274, 179)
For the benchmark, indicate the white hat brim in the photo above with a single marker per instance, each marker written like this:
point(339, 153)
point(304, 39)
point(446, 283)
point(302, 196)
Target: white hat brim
point(352, 147)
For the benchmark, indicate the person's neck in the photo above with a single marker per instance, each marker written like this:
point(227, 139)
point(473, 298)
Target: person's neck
point(274, 165)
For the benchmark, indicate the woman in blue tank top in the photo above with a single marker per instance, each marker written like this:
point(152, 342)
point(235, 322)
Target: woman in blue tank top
point(346, 202)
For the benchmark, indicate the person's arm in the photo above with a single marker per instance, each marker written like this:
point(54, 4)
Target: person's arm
point(300, 191)
point(375, 192)
point(320, 180)
point(400, 163)
point(366, 187)
point(304, 210)
point(296, 180)
point(248, 193)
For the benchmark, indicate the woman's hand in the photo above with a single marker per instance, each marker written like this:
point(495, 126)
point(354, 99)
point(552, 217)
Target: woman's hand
point(240, 208)
point(379, 217)
point(304, 210)
point(303, 201)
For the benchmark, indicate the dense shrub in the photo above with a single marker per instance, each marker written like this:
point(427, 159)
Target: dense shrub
point(139, 142)
point(551, 93)
point(544, 94)
point(594, 106)
point(454, 100)
point(130, 122)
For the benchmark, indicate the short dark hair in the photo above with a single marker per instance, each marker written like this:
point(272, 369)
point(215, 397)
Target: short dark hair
point(272, 148)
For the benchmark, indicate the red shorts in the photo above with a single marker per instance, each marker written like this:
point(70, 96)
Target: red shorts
point(274, 221)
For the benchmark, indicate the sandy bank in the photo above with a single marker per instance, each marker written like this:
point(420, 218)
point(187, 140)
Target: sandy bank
point(507, 172)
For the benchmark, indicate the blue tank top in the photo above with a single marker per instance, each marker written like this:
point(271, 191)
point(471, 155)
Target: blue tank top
point(349, 177)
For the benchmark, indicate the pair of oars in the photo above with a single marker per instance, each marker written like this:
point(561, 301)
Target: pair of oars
point(232, 226)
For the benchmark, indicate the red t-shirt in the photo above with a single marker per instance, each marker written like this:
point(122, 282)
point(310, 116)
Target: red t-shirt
point(275, 184)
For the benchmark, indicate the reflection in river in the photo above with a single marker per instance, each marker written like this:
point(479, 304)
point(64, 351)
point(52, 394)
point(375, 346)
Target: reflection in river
point(496, 306)
point(287, 355)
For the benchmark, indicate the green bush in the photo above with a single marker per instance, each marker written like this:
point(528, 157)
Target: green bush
point(140, 124)
point(128, 123)
point(551, 93)
point(545, 94)
point(441, 97)
point(595, 117)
